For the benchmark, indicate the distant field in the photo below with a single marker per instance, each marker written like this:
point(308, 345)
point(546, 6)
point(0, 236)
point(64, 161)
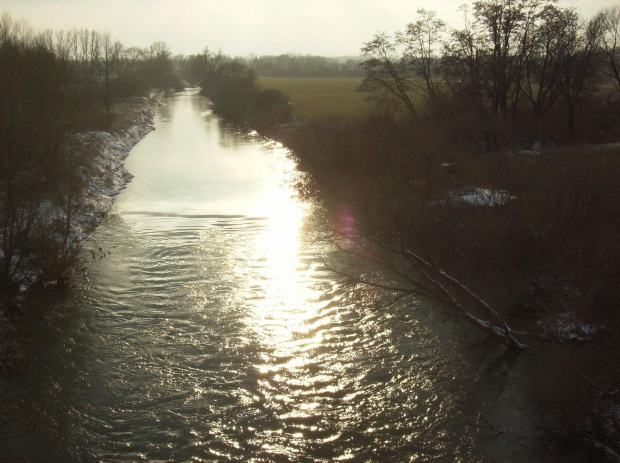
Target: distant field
point(313, 98)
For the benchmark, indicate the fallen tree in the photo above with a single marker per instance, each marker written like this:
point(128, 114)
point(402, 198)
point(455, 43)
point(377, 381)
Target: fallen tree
point(415, 274)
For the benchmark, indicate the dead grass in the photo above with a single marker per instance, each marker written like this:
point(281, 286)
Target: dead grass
point(315, 98)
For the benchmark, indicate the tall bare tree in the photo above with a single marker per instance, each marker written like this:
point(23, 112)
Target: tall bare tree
point(106, 68)
point(542, 66)
point(608, 21)
point(421, 41)
point(387, 72)
point(33, 134)
point(578, 56)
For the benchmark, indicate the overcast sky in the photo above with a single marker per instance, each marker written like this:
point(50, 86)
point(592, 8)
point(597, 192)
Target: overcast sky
point(241, 27)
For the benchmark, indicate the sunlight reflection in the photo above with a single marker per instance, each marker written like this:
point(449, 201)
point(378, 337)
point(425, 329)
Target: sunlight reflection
point(291, 313)
point(286, 302)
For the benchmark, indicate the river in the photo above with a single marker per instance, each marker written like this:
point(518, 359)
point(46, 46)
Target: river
point(206, 328)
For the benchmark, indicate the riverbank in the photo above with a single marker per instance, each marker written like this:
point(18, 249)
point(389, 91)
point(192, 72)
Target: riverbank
point(106, 176)
point(533, 232)
point(103, 177)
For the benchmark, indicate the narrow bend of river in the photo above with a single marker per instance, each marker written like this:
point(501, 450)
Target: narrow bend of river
point(207, 329)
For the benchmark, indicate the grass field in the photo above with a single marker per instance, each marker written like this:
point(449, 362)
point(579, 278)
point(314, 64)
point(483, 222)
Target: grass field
point(313, 98)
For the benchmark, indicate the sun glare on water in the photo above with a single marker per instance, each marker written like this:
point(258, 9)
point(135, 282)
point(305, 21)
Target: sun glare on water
point(286, 300)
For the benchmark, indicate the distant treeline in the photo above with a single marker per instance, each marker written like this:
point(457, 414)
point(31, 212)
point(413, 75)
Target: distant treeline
point(285, 65)
point(291, 65)
point(52, 86)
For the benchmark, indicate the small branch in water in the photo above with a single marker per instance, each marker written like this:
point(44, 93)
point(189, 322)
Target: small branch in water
point(391, 302)
point(487, 424)
point(599, 388)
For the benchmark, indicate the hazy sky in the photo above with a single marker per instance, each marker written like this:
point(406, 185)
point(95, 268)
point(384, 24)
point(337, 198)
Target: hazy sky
point(241, 27)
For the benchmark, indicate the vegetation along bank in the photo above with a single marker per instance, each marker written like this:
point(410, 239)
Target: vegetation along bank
point(73, 105)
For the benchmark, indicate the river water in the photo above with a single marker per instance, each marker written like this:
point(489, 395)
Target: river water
point(207, 329)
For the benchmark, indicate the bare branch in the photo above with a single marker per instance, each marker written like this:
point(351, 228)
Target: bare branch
point(425, 279)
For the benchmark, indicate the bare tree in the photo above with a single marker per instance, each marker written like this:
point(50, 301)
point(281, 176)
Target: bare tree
point(421, 40)
point(504, 36)
point(130, 59)
point(33, 98)
point(211, 60)
point(578, 57)
point(386, 72)
point(542, 65)
point(106, 68)
point(500, 23)
point(608, 21)
point(463, 64)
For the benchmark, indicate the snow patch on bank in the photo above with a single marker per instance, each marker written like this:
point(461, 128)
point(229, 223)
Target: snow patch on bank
point(106, 175)
point(566, 326)
point(482, 197)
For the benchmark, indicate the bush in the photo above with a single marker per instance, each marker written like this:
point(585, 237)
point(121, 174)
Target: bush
point(235, 94)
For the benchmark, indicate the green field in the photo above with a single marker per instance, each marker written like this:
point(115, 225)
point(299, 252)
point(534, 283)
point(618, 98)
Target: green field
point(313, 98)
